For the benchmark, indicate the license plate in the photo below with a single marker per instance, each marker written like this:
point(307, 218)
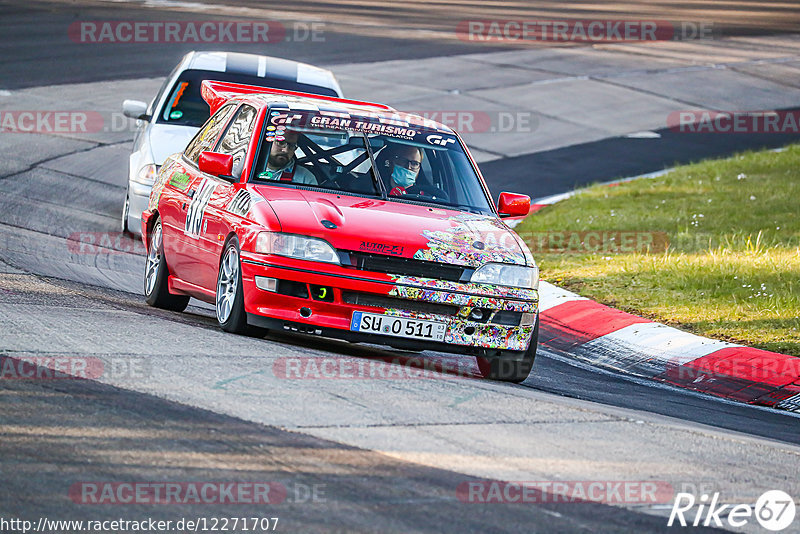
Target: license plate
point(389, 325)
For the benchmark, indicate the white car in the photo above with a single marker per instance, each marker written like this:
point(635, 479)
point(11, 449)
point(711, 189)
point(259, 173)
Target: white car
point(172, 118)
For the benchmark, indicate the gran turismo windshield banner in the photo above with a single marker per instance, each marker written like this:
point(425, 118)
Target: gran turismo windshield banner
point(398, 125)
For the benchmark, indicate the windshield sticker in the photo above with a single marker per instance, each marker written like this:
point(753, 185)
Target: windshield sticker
point(179, 94)
point(426, 134)
point(364, 126)
point(439, 140)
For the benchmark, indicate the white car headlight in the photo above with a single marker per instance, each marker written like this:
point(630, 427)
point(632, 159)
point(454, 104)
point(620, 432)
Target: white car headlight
point(147, 175)
point(504, 274)
point(295, 246)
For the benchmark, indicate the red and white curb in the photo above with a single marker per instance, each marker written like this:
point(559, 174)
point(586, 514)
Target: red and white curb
point(613, 339)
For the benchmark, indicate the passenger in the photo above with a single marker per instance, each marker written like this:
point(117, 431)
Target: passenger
point(282, 164)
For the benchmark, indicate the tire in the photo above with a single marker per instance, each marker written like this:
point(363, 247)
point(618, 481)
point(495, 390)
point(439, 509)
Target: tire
point(156, 273)
point(126, 209)
point(230, 293)
point(511, 370)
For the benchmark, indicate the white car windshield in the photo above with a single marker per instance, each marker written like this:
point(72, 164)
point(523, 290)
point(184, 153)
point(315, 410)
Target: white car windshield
point(185, 106)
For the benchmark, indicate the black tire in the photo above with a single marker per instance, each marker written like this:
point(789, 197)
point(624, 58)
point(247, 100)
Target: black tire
point(126, 209)
point(511, 370)
point(229, 303)
point(156, 273)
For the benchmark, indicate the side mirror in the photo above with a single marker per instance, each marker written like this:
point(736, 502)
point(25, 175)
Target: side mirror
point(513, 205)
point(135, 109)
point(216, 164)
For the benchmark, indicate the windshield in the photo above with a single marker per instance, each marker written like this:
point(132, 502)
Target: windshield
point(186, 107)
point(411, 162)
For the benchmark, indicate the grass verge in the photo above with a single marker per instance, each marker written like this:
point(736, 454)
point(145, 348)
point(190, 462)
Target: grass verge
point(731, 269)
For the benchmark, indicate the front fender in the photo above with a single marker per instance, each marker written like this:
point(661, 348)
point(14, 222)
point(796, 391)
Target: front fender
point(148, 218)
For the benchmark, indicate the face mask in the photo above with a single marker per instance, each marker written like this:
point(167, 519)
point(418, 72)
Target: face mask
point(403, 177)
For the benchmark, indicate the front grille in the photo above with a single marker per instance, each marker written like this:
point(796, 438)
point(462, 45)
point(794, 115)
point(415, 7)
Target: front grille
point(378, 301)
point(380, 263)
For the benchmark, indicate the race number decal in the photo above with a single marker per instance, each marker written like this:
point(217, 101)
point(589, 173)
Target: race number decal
point(197, 207)
point(240, 204)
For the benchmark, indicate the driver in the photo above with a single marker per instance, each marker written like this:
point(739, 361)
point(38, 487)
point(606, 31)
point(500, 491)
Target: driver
point(282, 163)
point(403, 163)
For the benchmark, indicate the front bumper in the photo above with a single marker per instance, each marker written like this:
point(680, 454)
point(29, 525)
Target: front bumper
point(507, 325)
point(139, 198)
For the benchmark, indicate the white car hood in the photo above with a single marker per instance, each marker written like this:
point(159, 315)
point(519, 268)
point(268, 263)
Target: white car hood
point(164, 140)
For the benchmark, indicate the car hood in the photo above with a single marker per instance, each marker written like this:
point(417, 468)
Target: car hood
point(165, 140)
point(394, 228)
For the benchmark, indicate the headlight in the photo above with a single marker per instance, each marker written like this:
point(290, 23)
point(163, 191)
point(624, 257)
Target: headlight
point(147, 174)
point(503, 274)
point(295, 246)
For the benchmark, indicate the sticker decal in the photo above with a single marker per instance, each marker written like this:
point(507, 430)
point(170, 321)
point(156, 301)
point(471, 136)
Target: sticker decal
point(439, 140)
point(180, 181)
point(161, 181)
point(381, 248)
point(464, 293)
point(240, 204)
point(473, 240)
point(490, 336)
point(197, 207)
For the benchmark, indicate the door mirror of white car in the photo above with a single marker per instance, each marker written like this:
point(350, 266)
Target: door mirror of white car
point(135, 109)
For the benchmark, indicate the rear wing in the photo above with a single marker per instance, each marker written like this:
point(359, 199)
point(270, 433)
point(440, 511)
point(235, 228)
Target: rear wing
point(217, 93)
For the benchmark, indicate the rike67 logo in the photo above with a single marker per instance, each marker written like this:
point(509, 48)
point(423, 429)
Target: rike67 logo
point(774, 511)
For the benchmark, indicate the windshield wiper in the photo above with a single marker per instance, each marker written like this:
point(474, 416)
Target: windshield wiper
point(442, 204)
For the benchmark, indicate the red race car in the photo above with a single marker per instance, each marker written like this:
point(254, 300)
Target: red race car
point(344, 219)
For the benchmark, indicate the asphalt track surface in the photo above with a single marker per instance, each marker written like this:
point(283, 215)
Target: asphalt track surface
point(564, 169)
point(373, 492)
